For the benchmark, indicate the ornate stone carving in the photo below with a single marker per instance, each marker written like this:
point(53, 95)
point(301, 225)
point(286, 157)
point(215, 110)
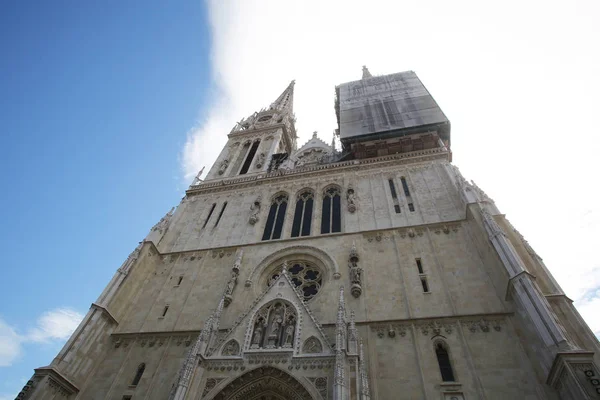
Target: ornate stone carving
point(312, 345)
point(320, 383)
point(223, 166)
point(351, 199)
point(235, 271)
point(211, 383)
point(161, 225)
point(260, 160)
point(255, 211)
point(355, 272)
point(231, 348)
point(274, 326)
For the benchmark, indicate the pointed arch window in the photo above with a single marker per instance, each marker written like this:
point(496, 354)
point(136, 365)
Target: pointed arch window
point(303, 214)
point(138, 374)
point(276, 217)
point(444, 362)
point(331, 220)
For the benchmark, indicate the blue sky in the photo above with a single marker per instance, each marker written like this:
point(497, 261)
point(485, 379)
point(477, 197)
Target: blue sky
point(96, 101)
point(108, 110)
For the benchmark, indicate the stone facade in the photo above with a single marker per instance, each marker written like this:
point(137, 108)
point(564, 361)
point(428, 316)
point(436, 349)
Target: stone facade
point(424, 273)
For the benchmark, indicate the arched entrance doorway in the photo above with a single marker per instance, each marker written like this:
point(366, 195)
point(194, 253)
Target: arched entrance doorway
point(264, 383)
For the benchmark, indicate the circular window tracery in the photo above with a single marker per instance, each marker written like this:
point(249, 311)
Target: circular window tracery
point(305, 276)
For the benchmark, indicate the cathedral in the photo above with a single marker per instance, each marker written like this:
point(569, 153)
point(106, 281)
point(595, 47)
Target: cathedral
point(309, 271)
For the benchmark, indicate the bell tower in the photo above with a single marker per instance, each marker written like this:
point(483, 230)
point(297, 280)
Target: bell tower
point(253, 141)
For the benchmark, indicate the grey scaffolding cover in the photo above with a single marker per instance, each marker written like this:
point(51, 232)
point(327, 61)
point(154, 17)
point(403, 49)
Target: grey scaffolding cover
point(385, 106)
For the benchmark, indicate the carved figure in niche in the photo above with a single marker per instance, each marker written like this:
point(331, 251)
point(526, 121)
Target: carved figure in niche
point(260, 160)
point(312, 345)
point(275, 326)
point(288, 335)
point(232, 348)
point(254, 211)
point(223, 166)
point(273, 339)
point(351, 197)
point(258, 334)
point(355, 273)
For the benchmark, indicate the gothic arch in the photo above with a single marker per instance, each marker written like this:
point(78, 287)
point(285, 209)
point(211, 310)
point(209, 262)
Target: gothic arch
point(314, 254)
point(265, 381)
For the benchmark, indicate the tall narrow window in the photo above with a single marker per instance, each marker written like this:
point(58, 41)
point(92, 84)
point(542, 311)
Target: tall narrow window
point(179, 280)
point(411, 206)
point(405, 186)
point(138, 374)
point(331, 220)
point(419, 265)
point(221, 213)
point(444, 362)
point(276, 217)
point(394, 196)
point(165, 311)
point(303, 214)
point(249, 158)
point(424, 284)
point(212, 208)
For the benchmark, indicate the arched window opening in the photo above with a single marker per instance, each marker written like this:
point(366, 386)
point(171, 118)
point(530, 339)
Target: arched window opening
point(138, 374)
point(221, 213)
point(276, 217)
point(209, 215)
point(249, 158)
point(331, 217)
point(303, 214)
point(444, 363)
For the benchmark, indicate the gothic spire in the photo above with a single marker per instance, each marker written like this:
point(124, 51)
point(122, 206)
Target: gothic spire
point(285, 102)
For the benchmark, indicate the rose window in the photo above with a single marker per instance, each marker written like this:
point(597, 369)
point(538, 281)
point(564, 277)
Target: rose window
point(306, 277)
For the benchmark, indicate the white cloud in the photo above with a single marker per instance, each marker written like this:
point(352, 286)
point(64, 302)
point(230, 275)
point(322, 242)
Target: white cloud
point(10, 344)
point(51, 327)
point(56, 324)
point(517, 80)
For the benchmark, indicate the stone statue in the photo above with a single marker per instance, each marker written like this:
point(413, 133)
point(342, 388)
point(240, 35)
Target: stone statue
point(260, 160)
point(231, 283)
point(254, 211)
point(223, 166)
point(257, 337)
point(288, 336)
point(355, 274)
point(275, 329)
point(351, 197)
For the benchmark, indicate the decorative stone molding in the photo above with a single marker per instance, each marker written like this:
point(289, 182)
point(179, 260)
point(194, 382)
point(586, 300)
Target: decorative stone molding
point(312, 345)
point(296, 251)
point(222, 253)
point(317, 170)
point(57, 382)
point(378, 236)
point(210, 384)
point(482, 325)
point(153, 339)
point(320, 383)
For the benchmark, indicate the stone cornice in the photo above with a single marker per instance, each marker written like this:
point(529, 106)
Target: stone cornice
point(58, 377)
point(368, 163)
point(105, 311)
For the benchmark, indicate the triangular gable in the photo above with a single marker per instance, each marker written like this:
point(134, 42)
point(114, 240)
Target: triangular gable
point(306, 327)
point(313, 143)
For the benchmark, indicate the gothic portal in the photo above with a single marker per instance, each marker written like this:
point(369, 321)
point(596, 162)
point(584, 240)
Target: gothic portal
point(373, 270)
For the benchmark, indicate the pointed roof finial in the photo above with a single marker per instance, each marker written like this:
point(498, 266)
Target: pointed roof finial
point(285, 101)
point(314, 135)
point(366, 73)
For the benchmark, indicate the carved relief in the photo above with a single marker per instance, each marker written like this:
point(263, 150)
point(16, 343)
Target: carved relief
point(355, 272)
point(351, 199)
point(211, 383)
point(275, 326)
point(223, 166)
point(231, 348)
point(312, 345)
point(320, 384)
point(260, 160)
point(255, 211)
